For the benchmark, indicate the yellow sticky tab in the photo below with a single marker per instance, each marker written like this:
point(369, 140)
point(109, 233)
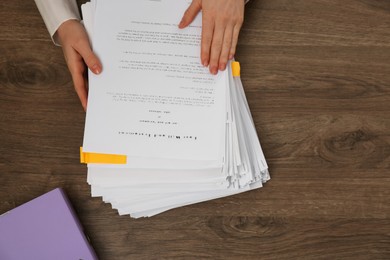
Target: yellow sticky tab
point(236, 70)
point(102, 158)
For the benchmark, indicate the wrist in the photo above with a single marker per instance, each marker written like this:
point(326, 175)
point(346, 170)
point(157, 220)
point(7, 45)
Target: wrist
point(65, 28)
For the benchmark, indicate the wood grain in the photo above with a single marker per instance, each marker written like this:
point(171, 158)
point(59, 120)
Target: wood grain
point(317, 78)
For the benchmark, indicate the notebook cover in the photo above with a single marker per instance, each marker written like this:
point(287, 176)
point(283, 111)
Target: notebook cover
point(44, 228)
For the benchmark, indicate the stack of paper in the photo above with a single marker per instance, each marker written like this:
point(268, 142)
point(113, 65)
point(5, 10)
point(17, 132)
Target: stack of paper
point(161, 131)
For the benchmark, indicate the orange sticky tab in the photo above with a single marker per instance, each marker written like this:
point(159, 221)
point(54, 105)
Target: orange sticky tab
point(236, 70)
point(102, 158)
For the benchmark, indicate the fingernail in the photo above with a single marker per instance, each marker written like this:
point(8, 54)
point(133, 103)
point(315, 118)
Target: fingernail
point(205, 63)
point(96, 69)
point(214, 70)
point(181, 24)
point(231, 56)
point(222, 67)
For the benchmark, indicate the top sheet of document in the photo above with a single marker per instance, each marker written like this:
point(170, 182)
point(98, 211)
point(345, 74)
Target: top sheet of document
point(159, 101)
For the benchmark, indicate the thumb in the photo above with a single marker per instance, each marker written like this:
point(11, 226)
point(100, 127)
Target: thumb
point(190, 14)
point(92, 61)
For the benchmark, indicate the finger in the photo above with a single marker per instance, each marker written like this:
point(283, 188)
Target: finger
point(236, 32)
point(207, 37)
point(92, 61)
point(226, 46)
point(77, 70)
point(86, 93)
point(79, 86)
point(216, 48)
point(190, 14)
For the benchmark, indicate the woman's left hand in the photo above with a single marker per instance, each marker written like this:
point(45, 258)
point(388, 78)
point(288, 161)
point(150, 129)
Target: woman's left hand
point(221, 24)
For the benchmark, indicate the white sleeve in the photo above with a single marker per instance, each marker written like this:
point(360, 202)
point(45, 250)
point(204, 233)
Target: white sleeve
point(55, 12)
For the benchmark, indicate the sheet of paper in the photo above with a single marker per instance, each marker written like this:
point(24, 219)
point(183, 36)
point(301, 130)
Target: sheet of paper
point(105, 177)
point(161, 208)
point(153, 98)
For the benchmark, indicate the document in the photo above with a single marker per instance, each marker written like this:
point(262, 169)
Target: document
point(187, 136)
point(155, 96)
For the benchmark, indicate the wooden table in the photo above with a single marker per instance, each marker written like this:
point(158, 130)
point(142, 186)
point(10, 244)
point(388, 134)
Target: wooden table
point(317, 77)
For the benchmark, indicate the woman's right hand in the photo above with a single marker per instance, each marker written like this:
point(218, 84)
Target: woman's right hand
point(78, 55)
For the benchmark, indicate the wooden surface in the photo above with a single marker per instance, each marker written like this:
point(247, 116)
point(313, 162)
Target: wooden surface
point(317, 77)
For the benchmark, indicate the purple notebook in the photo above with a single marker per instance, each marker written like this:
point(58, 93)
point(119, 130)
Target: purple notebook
point(44, 228)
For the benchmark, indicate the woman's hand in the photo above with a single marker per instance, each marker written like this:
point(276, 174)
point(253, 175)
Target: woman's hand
point(221, 24)
point(78, 54)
